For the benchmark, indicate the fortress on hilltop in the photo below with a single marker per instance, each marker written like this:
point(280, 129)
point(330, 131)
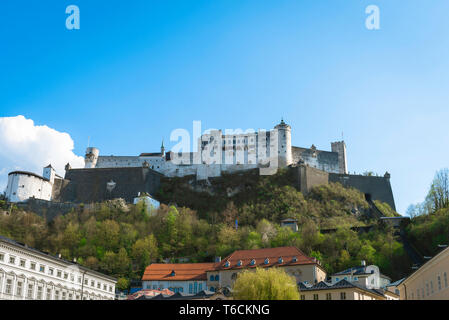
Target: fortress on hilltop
point(109, 177)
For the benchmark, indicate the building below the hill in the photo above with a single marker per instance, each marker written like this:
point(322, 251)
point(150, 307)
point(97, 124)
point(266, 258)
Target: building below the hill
point(430, 281)
point(30, 274)
point(367, 276)
point(343, 290)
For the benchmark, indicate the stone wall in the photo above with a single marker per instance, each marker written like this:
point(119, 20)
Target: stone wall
point(375, 188)
point(47, 209)
point(91, 185)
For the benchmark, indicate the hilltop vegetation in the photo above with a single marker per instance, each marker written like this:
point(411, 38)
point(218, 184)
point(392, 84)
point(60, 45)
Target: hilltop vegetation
point(122, 240)
point(429, 226)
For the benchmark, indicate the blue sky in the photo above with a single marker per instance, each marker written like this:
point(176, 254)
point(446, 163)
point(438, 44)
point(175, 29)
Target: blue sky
point(136, 70)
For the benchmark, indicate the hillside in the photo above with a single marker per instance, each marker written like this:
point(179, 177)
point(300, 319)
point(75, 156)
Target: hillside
point(121, 239)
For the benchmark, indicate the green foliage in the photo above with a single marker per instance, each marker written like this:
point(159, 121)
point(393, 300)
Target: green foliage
point(123, 240)
point(265, 284)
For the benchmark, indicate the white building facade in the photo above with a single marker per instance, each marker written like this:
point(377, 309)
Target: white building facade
point(29, 274)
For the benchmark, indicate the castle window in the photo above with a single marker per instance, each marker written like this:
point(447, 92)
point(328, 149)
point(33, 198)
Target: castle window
point(239, 263)
point(267, 261)
point(253, 262)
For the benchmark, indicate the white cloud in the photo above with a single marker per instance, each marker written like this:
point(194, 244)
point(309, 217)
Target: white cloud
point(26, 146)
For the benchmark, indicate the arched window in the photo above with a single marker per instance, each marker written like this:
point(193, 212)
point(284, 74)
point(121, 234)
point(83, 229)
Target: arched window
point(217, 277)
point(211, 278)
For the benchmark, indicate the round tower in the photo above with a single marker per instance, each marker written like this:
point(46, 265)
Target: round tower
point(284, 144)
point(90, 160)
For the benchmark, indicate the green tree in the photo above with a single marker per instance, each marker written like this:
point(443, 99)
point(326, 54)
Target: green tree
point(265, 284)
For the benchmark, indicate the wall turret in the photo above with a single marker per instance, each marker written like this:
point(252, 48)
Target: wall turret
point(284, 144)
point(90, 160)
point(340, 148)
point(49, 173)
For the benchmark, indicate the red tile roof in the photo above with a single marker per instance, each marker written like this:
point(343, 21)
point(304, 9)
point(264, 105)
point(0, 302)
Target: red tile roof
point(182, 271)
point(149, 293)
point(260, 255)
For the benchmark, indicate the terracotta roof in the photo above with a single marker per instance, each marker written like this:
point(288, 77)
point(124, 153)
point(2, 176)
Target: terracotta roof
point(242, 259)
point(176, 272)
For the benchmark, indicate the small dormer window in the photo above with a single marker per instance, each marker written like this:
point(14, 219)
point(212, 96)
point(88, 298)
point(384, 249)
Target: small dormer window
point(173, 273)
point(239, 263)
point(280, 260)
point(227, 264)
point(253, 262)
point(295, 259)
point(267, 261)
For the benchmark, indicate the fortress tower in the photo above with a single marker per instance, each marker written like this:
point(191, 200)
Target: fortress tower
point(340, 148)
point(284, 144)
point(49, 173)
point(91, 157)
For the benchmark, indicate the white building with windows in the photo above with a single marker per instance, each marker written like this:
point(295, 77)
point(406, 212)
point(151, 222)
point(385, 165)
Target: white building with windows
point(30, 274)
point(368, 276)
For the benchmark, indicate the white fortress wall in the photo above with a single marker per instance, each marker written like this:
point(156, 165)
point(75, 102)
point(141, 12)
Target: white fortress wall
point(22, 186)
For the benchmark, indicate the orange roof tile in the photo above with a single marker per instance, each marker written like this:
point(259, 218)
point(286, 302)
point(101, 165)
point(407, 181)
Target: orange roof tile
point(182, 271)
point(259, 255)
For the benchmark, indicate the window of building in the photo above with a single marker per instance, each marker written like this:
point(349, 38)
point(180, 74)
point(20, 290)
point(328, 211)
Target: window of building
point(64, 295)
point(217, 277)
point(195, 286)
point(79, 279)
point(86, 281)
point(22, 263)
point(39, 293)
point(57, 295)
point(48, 294)
point(99, 285)
point(342, 295)
point(439, 282)
point(315, 296)
point(110, 288)
point(328, 296)
point(8, 289)
point(431, 287)
point(2, 256)
point(445, 279)
point(66, 275)
point(41, 268)
point(303, 297)
point(92, 283)
point(33, 266)
point(337, 279)
point(19, 288)
point(70, 296)
point(104, 287)
point(30, 291)
point(59, 273)
point(190, 288)
point(12, 260)
point(427, 288)
point(200, 287)
point(211, 278)
point(355, 278)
